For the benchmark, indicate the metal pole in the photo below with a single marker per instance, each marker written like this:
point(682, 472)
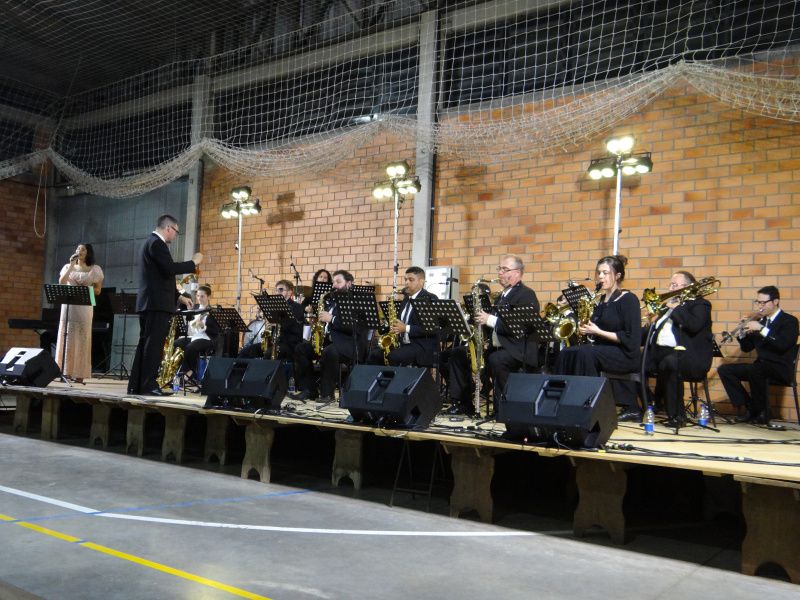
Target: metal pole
point(239, 267)
point(617, 204)
point(396, 219)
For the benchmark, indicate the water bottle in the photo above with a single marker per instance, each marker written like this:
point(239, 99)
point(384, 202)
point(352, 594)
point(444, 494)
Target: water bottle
point(291, 385)
point(702, 419)
point(176, 382)
point(649, 421)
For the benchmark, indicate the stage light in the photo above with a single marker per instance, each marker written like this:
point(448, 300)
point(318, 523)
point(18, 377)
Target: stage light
point(241, 193)
point(620, 145)
point(397, 169)
point(241, 205)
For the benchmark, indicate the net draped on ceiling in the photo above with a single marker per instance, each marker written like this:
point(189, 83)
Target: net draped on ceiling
point(287, 87)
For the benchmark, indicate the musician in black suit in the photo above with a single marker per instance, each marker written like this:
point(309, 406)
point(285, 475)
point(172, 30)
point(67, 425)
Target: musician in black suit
point(772, 333)
point(505, 353)
point(343, 344)
point(155, 303)
point(291, 333)
point(203, 332)
point(683, 325)
point(416, 346)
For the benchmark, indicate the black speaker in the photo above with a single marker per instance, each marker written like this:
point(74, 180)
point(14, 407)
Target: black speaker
point(563, 410)
point(404, 396)
point(28, 366)
point(244, 383)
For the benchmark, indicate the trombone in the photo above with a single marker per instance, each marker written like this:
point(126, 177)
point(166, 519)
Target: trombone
point(657, 303)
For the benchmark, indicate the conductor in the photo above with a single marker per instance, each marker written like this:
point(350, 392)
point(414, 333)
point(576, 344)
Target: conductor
point(155, 303)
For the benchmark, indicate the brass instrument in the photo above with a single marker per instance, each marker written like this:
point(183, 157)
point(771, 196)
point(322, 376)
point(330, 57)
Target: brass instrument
point(563, 321)
point(586, 306)
point(656, 303)
point(476, 341)
point(276, 336)
point(389, 340)
point(266, 333)
point(172, 357)
point(318, 328)
point(740, 329)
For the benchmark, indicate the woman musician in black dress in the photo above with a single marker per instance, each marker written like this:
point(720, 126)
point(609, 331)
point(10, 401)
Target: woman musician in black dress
point(614, 330)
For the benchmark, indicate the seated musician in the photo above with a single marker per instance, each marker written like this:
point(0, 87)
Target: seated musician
point(416, 347)
point(505, 352)
point(772, 333)
point(616, 329)
point(321, 275)
point(340, 345)
point(291, 331)
point(683, 325)
point(202, 335)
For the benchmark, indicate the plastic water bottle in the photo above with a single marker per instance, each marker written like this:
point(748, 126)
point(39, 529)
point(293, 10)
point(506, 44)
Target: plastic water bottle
point(702, 418)
point(291, 385)
point(649, 421)
point(176, 382)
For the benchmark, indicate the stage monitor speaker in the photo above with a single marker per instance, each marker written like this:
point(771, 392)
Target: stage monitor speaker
point(32, 367)
point(391, 396)
point(562, 410)
point(246, 384)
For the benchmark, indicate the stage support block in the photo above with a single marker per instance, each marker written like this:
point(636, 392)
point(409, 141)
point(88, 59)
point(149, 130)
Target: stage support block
point(134, 436)
point(772, 513)
point(473, 469)
point(50, 408)
point(258, 437)
point(174, 434)
point(22, 414)
point(601, 490)
point(101, 424)
point(216, 438)
point(348, 458)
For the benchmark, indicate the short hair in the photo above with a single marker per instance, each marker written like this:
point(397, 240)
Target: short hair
point(89, 260)
point(687, 276)
point(418, 271)
point(518, 264)
point(771, 291)
point(286, 283)
point(345, 274)
point(320, 272)
point(165, 220)
point(617, 262)
point(205, 288)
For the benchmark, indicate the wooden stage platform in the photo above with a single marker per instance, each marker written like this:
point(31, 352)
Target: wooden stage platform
point(765, 462)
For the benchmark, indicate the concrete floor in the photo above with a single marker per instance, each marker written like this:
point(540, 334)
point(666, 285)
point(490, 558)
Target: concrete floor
point(89, 523)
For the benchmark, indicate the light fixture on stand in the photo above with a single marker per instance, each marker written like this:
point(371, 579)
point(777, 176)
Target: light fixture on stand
point(240, 206)
point(401, 183)
point(622, 163)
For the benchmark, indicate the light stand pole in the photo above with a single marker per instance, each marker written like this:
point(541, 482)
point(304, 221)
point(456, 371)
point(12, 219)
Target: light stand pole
point(240, 206)
point(401, 183)
point(621, 163)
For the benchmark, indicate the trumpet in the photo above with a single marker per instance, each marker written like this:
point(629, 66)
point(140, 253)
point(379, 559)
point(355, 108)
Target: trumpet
point(656, 303)
point(740, 329)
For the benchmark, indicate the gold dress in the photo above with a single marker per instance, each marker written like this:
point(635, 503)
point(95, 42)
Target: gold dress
point(78, 356)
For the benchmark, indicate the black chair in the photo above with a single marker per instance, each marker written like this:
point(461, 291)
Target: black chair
point(694, 398)
point(793, 383)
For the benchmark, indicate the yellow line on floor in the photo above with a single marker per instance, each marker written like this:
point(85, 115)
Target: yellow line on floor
point(136, 559)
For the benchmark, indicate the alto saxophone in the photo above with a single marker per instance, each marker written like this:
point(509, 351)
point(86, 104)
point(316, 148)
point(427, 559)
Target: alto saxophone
point(172, 359)
point(586, 306)
point(318, 329)
point(388, 341)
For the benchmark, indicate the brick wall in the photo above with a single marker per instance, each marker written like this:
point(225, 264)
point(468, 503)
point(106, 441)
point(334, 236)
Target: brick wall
point(22, 261)
point(723, 199)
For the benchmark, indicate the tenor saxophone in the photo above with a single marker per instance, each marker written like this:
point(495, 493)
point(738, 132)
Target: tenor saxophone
point(172, 358)
point(388, 341)
point(318, 329)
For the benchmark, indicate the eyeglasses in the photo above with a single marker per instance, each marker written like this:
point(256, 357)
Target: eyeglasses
point(762, 302)
point(505, 269)
point(175, 229)
point(280, 290)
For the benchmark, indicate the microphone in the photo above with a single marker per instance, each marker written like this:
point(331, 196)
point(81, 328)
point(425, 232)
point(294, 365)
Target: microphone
point(73, 257)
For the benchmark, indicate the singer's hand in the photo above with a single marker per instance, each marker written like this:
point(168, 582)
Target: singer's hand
point(197, 258)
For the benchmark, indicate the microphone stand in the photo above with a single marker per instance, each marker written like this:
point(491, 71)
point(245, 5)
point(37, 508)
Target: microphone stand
point(296, 274)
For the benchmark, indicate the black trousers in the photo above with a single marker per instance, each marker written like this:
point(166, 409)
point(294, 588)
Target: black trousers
point(192, 349)
point(405, 355)
point(329, 364)
point(733, 374)
point(153, 329)
point(590, 359)
point(671, 369)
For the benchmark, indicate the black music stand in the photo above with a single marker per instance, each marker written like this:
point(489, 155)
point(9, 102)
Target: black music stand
point(82, 295)
point(275, 309)
point(363, 289)
point(573, 294)
point(524, 321)
point(121, 304)
point(445, 318)
point(229, 321)
point(357, 311)
point(320, 288)
point(486, 303)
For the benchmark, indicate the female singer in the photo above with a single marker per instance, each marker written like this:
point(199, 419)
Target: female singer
point(77, 360)
point(202, 331)
point(615, 328)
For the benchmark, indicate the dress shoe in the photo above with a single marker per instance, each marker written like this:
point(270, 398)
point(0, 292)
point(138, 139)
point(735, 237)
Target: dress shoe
point(630, 416)
point(455, 409)
point(760, 419)
point(325, 399)
point(300, 395)
point(747, 417)
point(159, 392)
point(673, 423)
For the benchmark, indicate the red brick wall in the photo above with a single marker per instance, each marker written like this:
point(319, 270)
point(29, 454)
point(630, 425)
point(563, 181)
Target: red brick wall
point(22, 260)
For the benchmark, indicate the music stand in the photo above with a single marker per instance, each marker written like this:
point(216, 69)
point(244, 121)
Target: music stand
point(573, 294)
point(320, 288)
point(355, 310)
point(82, 295)
point(121, 304)
point(363, 289)
point(486, 303)
point(443, 316)
point(229, 321)
point(524, 321)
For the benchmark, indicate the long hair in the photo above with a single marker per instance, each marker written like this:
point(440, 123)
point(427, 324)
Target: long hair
point(89, 254)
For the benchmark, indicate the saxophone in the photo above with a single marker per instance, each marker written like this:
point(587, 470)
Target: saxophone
point(318, 329)
point(476, 343)
point(389, 340)
point(172, 359)
point(586, 306)
point(276, 336)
